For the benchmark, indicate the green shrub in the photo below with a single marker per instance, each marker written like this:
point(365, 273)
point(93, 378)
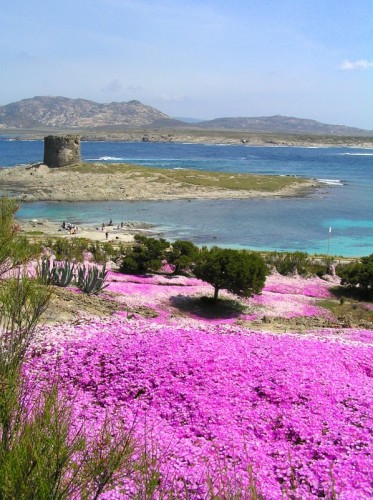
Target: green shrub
point(146, 255)
point(102, 252)
point(68, 249)
point(183, 254)
point(290, 262)
point(240, 272)
point(15, 250)
point(321, 266)
point(358, 274)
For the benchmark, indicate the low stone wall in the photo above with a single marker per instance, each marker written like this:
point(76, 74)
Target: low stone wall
point(60, 151)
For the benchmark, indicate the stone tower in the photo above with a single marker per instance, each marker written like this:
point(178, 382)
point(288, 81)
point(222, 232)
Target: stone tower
point(60, 151)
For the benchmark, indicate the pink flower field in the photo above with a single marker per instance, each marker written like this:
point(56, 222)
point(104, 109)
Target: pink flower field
point(281, 296)
point(216, 400)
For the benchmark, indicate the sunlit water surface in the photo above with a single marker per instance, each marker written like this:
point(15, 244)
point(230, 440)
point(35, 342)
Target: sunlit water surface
point(344, 203)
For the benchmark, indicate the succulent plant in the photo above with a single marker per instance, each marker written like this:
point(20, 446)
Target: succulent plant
point(91, 279)
point(59, 274)
point(63, 274)
point(43, 271)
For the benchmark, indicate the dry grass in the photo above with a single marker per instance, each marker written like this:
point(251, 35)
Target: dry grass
point(351, 309)
point(217, 180)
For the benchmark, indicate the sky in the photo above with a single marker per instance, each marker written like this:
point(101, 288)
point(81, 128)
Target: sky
point(203, 59)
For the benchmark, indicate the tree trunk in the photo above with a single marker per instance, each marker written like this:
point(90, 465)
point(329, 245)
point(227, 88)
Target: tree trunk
point(177, 269)
point(216, 291)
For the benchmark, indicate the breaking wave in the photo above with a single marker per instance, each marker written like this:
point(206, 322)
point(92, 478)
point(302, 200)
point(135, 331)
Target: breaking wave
point(357, 154)
point(331, 182)
point(106, 158)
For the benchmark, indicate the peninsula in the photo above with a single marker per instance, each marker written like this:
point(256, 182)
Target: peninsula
point(126, 182)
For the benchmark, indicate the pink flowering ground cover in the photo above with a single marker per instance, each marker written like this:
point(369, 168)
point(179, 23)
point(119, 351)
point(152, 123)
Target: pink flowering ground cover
point(287, 305)
point(282, 296)
point(297, 409)
point(163, 293)
point(289, 297)
point(213, 396)
point(310, 287)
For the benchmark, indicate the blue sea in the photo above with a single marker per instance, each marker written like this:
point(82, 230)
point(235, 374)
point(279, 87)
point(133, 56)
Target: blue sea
point(344, 203)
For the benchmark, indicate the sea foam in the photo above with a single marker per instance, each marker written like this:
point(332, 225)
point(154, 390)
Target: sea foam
point(331, 182)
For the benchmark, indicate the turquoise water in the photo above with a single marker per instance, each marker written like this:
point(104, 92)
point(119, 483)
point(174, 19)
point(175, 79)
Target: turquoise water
point(344, 203)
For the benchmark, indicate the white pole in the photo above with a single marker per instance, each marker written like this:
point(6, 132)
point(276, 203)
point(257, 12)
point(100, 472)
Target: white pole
point(330, 230)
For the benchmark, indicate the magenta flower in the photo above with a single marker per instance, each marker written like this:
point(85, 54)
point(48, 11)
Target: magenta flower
point(295, 408)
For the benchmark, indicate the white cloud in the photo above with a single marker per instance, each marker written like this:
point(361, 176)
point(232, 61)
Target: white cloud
point(360, 64)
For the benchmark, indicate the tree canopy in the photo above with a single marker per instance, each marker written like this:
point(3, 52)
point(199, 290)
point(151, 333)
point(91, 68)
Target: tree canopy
point(358, 274)
point(240, 272)
point(182, 255)
point(146, 255)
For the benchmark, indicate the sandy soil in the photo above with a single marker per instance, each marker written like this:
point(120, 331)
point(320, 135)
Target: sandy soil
point(40, 183)
point(123, 234)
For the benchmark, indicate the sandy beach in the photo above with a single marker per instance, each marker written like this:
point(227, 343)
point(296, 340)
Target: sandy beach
point(115, 233)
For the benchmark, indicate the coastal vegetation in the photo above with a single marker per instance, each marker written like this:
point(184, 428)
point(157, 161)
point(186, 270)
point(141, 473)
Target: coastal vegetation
point(119, 182)
point(188, 177)
point(89, 279)
point(183, 255)
point(145, 256)
point(15, 250)
point(160, 401)
point(359, 275)
point(240, 272)
point(301, 263)
point(42, 454)
point(76, 249)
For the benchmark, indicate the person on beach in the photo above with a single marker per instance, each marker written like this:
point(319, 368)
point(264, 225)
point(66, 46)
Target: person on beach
point(107, 234)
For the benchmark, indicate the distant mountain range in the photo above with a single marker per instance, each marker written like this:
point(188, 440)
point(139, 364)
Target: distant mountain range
point(45, 112)
point(282, 125)
point(62, 112)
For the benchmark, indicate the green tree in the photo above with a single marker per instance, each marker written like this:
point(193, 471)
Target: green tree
point(239, 272)
point(146, 255)
point(290, 262)
point(15, 250)
point(183, 255)
point(358, 274)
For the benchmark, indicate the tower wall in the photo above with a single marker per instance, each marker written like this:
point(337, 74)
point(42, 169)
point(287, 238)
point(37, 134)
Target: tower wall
point(60, 151)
